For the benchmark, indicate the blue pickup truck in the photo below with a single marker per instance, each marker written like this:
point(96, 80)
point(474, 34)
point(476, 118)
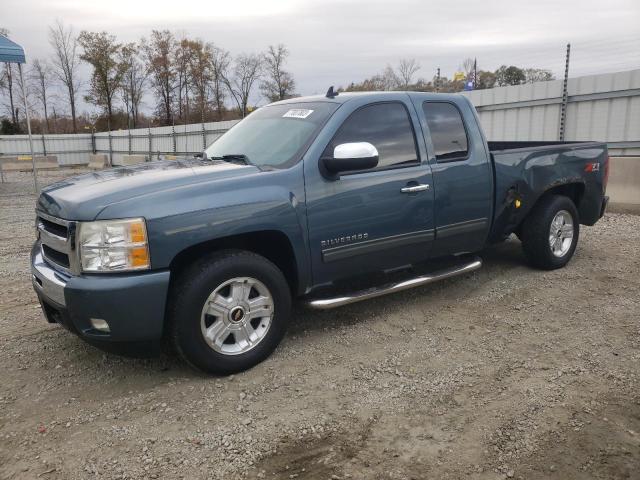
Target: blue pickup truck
point(326, 199)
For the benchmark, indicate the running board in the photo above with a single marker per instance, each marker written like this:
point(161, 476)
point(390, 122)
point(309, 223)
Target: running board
point(328, 303)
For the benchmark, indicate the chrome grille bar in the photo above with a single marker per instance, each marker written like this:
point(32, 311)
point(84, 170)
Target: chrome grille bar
point(64, 245)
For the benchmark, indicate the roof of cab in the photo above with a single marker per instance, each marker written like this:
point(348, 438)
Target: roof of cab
point(344, 97)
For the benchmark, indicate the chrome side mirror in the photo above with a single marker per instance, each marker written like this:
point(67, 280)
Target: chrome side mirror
point(351, 157)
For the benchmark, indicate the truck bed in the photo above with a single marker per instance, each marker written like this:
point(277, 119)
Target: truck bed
point(526, 170)
point(513, 145)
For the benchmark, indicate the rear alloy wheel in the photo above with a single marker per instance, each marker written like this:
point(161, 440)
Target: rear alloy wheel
point(228, 311)
point(561, 233)
point(550, 232)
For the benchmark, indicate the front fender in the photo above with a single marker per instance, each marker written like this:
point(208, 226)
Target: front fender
point(191, 215)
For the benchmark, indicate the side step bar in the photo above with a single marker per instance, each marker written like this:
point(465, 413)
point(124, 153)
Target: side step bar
point(328, 303)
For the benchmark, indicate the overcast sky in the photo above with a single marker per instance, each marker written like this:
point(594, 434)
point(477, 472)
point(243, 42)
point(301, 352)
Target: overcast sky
point(336, 42)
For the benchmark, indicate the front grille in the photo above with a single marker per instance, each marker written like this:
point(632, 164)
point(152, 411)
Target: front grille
point(54, 228)
point(57, 237)
point(56, 256)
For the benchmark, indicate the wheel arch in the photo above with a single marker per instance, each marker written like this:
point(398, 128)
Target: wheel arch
point(274, 245)
point(574, 190)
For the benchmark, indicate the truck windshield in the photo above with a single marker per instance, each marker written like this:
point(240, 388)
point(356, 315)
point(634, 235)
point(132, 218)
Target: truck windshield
point(274, 136)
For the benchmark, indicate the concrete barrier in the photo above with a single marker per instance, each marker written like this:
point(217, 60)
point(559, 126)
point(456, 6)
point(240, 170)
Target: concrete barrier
point(130, 160)
point(624, 184)
point(97, 161)
point(23, 163)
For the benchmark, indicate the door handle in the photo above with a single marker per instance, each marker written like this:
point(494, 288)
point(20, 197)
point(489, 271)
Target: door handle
point(415, 188)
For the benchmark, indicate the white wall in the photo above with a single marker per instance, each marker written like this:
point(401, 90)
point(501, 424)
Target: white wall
point(600, 107)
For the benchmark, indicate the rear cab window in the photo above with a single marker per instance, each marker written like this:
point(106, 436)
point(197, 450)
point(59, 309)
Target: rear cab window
point(448, 133)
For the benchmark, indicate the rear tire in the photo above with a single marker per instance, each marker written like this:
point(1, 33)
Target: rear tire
point(550, 233)
point(228, 312)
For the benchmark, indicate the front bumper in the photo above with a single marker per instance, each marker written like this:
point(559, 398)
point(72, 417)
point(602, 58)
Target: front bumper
point(132, 304)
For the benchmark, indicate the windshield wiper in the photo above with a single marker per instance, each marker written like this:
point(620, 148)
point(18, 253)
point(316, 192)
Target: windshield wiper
point(233, 157)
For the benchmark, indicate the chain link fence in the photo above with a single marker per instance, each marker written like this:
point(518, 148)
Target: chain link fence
point(74, 149)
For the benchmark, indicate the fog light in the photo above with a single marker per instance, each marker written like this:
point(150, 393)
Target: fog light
point(100, 325)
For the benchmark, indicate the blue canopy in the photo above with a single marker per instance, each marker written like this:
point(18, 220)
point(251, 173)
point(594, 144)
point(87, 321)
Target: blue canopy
point(10, 52)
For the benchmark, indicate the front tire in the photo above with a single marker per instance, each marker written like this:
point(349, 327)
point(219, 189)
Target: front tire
point(229, 311)
point(550, 232)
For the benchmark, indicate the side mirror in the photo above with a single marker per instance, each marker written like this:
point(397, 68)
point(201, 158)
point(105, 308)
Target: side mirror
point(351, 157)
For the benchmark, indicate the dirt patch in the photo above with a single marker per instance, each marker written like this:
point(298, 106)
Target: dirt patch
point(508, 372)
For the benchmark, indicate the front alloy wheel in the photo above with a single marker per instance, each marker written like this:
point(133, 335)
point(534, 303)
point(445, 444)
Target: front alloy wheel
point(228, 311)
point(237, 315)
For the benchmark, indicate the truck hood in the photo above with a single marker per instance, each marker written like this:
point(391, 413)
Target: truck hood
point(84, 196)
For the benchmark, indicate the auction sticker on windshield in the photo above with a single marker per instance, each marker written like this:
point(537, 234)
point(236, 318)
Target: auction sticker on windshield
point(297, 113)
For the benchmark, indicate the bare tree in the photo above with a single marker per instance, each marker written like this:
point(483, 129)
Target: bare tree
point(246, 70)
point(3, 80)
point(41, 77)
point(467, 66)
point(158, 52)
point(407, 68)
point(6, 80)
point(388, 79)
point(201, 72)
point(65, 63)
point(25, 98)
point(134, 78)
point(279, 84)
point(7, 85)
point(383, 81)
point(182, 60)
point(220, 65)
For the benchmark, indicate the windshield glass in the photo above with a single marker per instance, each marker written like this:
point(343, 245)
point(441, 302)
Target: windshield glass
point(275, 135)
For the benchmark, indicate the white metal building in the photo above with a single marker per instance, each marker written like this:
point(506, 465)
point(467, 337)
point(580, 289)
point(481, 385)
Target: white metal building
point(602, 107)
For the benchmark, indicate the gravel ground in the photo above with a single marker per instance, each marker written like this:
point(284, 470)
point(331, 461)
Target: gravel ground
point(505, 373)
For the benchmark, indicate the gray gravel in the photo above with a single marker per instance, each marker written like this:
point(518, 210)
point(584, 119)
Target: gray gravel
point(506, 373)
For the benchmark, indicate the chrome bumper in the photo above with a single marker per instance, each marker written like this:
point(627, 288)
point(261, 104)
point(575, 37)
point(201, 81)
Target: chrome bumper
point(47, 281)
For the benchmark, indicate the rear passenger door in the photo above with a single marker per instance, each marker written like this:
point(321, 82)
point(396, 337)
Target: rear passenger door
point(462, 175)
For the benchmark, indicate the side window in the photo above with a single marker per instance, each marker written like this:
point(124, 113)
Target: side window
point(447, 131)
point(387, 127)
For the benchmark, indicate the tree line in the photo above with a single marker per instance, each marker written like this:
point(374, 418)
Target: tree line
point(404, 76)
point(189, 81)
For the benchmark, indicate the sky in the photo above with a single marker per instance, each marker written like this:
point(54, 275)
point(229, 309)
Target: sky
point(336, 42)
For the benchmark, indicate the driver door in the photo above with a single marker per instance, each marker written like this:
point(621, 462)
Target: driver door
point(375, 219)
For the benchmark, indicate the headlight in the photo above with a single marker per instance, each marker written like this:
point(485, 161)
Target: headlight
point(113, 245)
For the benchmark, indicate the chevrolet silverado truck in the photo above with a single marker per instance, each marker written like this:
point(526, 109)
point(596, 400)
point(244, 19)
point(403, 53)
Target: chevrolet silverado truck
point(325, 199)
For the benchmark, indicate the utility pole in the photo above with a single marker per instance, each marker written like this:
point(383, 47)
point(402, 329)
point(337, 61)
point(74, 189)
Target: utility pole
point(475, 73)
point(565, 97)
point(173, 134)
point(438, 80)
point(110, 144)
